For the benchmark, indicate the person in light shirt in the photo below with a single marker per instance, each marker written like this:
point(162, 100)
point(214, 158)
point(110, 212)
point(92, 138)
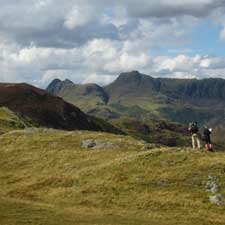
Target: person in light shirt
point(195, 136)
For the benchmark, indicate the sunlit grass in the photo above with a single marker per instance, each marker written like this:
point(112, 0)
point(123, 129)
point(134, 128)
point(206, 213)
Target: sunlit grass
point(47, 178)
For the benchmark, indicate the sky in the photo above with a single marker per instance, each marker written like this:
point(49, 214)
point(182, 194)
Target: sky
point(93, 41)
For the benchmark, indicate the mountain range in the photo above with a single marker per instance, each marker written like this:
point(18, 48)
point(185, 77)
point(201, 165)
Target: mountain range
point(23, 105)
point(153, 109)
point(136, 94)
point(146, 98)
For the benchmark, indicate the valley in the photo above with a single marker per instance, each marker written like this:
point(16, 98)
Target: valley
point(141, 97)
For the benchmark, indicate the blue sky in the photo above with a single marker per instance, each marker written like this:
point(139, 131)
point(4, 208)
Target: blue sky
point(204, 40)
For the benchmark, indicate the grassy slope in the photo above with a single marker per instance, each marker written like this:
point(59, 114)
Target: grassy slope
point(219, 134)
point(46, 178)
point(152, 108)
point(85, 103)
point(86, 97)
point(158, 131)
point(9, 120)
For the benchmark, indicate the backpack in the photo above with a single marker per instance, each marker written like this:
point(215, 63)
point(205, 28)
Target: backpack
point(194, 128)
point(209, 147)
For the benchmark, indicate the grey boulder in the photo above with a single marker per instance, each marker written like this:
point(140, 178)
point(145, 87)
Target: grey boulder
point(217, 199)
point(97, 144)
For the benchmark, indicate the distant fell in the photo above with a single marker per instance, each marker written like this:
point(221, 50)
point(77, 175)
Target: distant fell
point(48, 110)
point(144, 97)
point(81, 95)
point(57, 85)
point(139, 84)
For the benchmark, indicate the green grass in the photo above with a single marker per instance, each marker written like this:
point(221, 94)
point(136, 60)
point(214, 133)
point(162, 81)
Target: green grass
point(9, 121)
point(158, 131)
point(86, 97)
point(86, 103)
point(46, 178)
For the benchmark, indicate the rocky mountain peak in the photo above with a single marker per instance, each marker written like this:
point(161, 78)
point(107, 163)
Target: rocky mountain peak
point(57, 85)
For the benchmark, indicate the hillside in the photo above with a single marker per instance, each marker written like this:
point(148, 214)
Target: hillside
point(10, 121)
point(146, 98)
point(154, 131)
point(46, 110)
point(140, 84)
point(46, 177)
point(84, 96)
point(179, 100)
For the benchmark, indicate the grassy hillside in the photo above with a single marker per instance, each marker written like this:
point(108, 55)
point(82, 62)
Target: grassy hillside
point(10, 121)
point(143, 97)
point(154, 131)
point(46, 110)
point(219, 134)
point(87, 96)
point(47, 178)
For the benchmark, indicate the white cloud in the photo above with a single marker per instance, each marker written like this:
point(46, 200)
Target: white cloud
point(100, 61)
point(95, 40)
point(119, 16)
point(79, 16)
point(222, 34)
point(213, 62)
point(94, 78)
point(181, 63)
point(50, 23)
point(168, 8)
point(183, 66)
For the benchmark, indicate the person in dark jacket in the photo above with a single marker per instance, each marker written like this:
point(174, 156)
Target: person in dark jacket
point(207, 138)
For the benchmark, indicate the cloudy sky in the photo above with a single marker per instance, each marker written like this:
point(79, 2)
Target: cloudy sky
point(95, 40)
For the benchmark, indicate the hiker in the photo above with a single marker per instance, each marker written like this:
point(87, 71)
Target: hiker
point(207, 138)
point(193, 128)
